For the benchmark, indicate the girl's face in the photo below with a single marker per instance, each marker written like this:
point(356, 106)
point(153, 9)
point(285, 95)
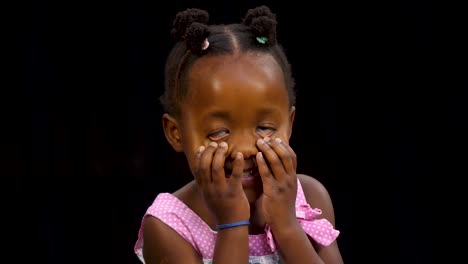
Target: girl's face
point(236, 99)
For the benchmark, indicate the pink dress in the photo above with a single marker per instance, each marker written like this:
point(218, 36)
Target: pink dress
point(262, 250)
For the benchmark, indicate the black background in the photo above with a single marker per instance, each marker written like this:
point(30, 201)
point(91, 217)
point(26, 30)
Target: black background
point(378, 122)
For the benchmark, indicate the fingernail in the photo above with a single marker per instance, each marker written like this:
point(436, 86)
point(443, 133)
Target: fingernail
point(266, 139)
point(278, 140)
point(239, 155)
point(223, 144)
point(260, 141)
point(213, 144)
point(200, 149)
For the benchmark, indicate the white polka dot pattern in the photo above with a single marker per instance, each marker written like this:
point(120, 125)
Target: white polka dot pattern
point(192, 228)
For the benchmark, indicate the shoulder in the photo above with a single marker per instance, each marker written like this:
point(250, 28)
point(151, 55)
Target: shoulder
point(165, 229)
point(317, 196)
point(160, 240)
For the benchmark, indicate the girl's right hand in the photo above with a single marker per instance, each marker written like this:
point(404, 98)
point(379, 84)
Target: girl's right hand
point(224, 196)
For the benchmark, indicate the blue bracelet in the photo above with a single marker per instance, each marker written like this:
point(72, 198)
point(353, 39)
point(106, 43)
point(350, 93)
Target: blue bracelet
point(241, 223)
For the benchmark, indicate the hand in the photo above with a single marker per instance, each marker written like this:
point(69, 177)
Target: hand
point(224, 196)
point(277, 164)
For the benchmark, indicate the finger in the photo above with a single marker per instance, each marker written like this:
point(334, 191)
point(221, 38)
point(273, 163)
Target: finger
point(205, 162)
point(291, 153)
point(263, 169)
point(284, 154)
point(237, 170)
point(196, 168)
point(271, 157)
point(217, 167)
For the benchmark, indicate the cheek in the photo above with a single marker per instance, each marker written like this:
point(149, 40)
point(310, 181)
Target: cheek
point(283, 134)
point(191, 159)
point(192, 141)
point(192, 134)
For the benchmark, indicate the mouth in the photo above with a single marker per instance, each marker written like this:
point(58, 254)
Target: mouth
point(250, 171)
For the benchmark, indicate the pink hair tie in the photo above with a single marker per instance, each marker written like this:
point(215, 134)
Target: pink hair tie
point(205, 44)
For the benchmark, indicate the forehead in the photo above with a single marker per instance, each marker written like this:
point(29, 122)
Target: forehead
point(248, 78)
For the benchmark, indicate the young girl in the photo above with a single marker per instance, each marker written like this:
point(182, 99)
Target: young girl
point(229, 103)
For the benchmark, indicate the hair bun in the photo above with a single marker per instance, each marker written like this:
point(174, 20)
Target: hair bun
point(262, 22)
point(195, 36)
point(184, 20)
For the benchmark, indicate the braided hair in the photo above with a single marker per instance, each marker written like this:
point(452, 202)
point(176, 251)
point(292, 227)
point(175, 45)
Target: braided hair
point(195, 38)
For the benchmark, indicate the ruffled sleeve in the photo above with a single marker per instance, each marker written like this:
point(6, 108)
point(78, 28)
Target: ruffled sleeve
point(321, 230)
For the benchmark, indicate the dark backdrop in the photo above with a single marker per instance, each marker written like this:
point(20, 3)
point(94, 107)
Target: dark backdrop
point(86, 155)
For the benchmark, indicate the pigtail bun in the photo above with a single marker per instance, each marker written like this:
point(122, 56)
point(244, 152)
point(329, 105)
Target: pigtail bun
point(191, 26)
point(262, 22)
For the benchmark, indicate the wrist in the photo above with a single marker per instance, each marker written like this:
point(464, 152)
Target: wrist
point(232, 225)
point(284, 223)
point(286, 230)
point(233, 232)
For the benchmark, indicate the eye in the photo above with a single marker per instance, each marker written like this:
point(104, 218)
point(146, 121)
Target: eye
point(218, 135)
point(265, 131)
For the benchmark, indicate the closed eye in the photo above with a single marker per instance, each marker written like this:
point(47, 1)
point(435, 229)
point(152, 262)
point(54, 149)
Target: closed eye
point(218, 135)
point(265, 131)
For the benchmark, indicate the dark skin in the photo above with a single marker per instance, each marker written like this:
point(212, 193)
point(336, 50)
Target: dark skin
point(234, 130)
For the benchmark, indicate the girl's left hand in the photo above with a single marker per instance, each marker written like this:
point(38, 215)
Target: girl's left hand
point(277, 164)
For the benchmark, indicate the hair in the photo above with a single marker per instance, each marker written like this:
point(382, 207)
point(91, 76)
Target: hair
point(256, 33)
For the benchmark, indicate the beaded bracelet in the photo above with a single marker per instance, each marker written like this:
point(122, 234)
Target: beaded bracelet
point(241, 223)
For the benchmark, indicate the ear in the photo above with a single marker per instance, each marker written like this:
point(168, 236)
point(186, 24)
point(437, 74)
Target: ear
point(292, 114)
point(172, 132)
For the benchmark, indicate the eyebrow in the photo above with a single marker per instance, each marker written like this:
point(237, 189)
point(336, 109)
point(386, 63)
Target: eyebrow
point(219, 114)
point(267, 111)
point(226, 116)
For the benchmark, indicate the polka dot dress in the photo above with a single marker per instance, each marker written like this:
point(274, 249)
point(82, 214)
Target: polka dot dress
point(262, 249)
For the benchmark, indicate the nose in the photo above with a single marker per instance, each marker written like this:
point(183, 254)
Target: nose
point(244, 142)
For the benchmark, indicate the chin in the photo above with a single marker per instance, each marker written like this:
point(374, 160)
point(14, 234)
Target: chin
point(254, 192)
